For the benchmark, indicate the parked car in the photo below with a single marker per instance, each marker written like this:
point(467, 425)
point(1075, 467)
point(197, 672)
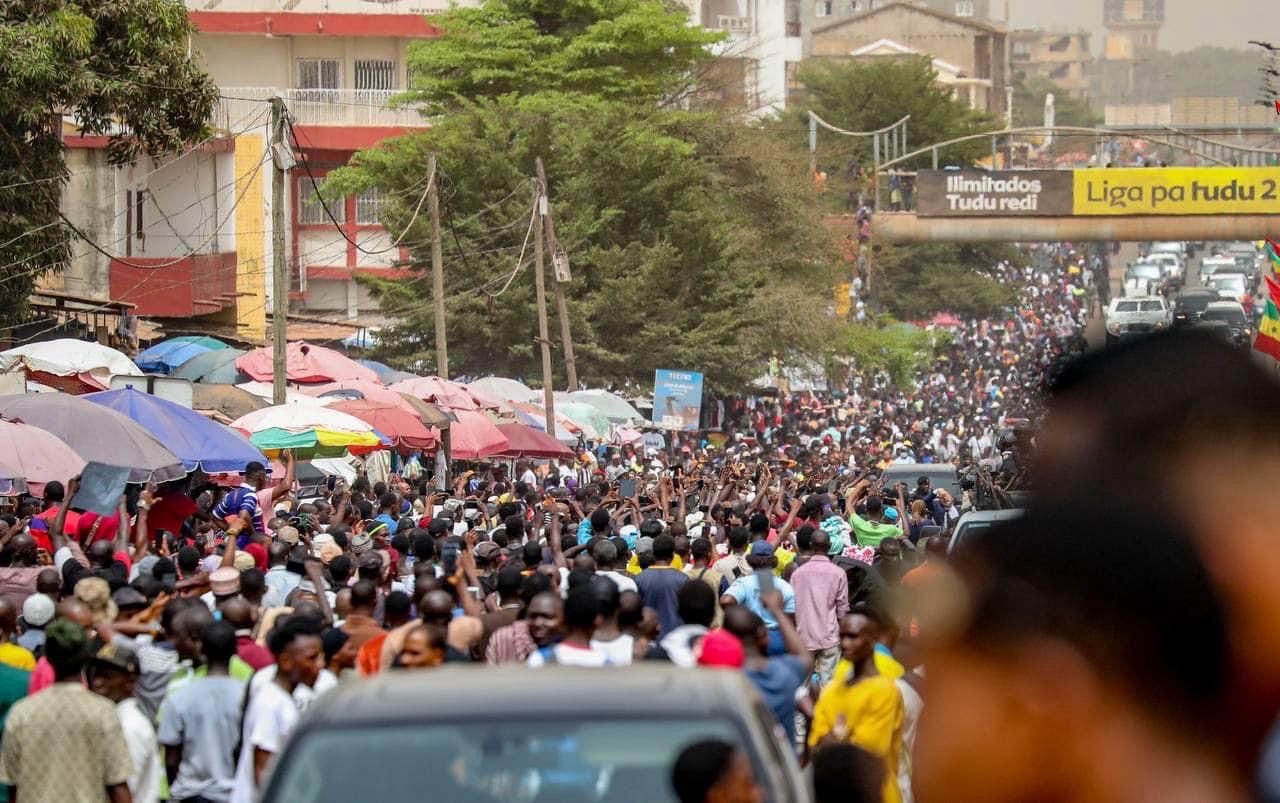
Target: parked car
point(1211, 265)
point(941, 475)
point(1234, 316)
point(1233, 285)
point(1191, 303)
point(1138, 315)
point(1142, 279)
point(974, 522)
point(455, 735)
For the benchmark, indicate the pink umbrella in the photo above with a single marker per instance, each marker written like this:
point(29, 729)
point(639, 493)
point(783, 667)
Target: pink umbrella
point(442, 393)
point(369, 391)
point(305, 364)
point(404, 428)
point(523, 441)
point(37, 455)
point(474, 436)
point(945, 319)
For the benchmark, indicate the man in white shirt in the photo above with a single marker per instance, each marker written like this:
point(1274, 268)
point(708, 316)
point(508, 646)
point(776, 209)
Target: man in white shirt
point(111, 674)
point(272, 713)
point(576, 619)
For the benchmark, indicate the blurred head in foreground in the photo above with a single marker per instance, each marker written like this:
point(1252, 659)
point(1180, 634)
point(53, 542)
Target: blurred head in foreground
point(1084, 653)
point(1190, 424)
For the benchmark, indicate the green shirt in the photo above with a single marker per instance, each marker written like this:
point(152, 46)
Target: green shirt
point(869, 533)
point(13, 687)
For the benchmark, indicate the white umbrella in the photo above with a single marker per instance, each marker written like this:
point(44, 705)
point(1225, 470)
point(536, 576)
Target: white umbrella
point(264, 390)
point(501, 389)
point(617, 409)
point(69, 357)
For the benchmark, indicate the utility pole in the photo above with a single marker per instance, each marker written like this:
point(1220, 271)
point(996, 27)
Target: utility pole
point(437, 270)
point(558, 257)
point(279, 269)
point(548, 391)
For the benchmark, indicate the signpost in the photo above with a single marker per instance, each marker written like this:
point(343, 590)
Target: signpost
point(677, 400)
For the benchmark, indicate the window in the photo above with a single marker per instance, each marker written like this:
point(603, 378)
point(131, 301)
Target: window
point(964, 8)
point(822, 8)
point(855, 6)
point(310, 211)
point(133, 221)
point(319, 74)
point(375, 74)
point(369, 206)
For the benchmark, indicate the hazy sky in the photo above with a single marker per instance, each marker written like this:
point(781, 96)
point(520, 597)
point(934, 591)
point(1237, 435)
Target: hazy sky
point(1188, 23)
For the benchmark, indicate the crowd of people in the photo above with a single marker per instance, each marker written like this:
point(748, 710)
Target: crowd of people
point(167, 652)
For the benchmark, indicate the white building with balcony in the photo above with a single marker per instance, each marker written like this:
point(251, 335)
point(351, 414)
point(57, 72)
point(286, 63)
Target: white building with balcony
point(759, 55)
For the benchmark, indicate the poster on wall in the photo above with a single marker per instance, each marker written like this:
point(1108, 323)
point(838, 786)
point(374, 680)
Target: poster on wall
point(677, 400)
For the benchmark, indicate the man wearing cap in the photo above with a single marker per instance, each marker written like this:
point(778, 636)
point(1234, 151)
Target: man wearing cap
point(746, 591)
point(112, 672)
point(37, 611)
point(224, 584)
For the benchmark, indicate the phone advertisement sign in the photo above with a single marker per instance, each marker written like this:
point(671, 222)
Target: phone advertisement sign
point(677, 400)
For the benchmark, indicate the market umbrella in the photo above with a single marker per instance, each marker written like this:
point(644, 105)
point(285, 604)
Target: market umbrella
point(617, 409)
point(199, 442)
point(97, 434)
point(359, 389)
point(500, 389)
point(36, 455)
point(213, 367)
point(12, 482)
point(567, 431)
point(386, 374)
point(305, 364)
point(594, 423)
point(523, 441)
point(431, 415)
point(166, 355)
point(83, 364)
point(474, 436)
point(310, 430)
point(266, 392)
point(404, 429)
point(442, 393)
point(229, 400)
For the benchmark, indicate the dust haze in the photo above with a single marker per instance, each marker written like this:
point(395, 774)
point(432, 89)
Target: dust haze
point(1188, 23)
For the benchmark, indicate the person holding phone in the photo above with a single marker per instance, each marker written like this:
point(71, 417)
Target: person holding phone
point(750, 590)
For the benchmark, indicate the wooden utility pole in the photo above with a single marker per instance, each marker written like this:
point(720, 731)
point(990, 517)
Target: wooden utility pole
point(279, 268)
point(548, 391)
point(562, 311)
point(437, 270)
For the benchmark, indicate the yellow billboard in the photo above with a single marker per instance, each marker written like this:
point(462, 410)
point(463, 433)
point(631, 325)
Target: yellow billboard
point(1177, 191)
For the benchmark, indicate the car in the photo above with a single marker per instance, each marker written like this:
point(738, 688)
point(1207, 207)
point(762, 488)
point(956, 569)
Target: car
point(1142, 279)
point(1220, 328)
point(1211, 265)
point(941, 475)
point(1137, 315)
point(1234, 316)
point(974, 522)
point(1191, 303)
point(1170, 264)
point(1168, 247)
point(456, 735)
point(1233, 285)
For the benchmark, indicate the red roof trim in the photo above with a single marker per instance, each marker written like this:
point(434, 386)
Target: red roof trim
point(283, 23)
point(345, 138)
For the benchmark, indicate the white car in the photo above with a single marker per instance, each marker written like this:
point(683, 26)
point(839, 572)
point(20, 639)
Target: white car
point(1168, 248)
point(1142, 279)
point(1140, 315)
point(1171, 264)
point(1233, 285)
point(1211, 265)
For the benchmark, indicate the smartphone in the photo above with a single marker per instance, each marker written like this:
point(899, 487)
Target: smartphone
point(449, 557)
point(627, 488)
point(765, 579)
point(331, 482)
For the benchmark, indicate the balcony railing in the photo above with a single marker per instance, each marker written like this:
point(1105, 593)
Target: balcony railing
point(241, 106)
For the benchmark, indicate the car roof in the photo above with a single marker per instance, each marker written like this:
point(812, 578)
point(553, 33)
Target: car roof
point(990, 515)
point(1231, 305)
point(1139, 298)
point(1197, 291)
point(516, 692)
point(1226, 275)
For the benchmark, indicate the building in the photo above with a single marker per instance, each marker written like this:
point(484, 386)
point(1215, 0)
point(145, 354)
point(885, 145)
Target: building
point(973, 52)
point(1063, 58)
point(973, 91)
point(1133, 27)
point(190, 234)
point(761, 49)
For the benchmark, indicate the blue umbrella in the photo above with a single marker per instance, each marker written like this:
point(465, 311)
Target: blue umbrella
point(212, 367)
point(196, 440)
point(163, 357)
point(386, 374)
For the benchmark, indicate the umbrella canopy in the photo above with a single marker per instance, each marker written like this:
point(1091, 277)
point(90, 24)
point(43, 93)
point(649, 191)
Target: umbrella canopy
point(36, 455)
point(310, 430)
point(216, 367)
point(360, 389)
point(474, 436)
point(12, 482)
point(431, 415)
point(166, 355)
point(229, 400)
point(305, 364)
point(404, 429)
point(442, 393)
point(525, 441)
point(97, 433)
point(386, 374)
point(617, 409)
point(266, 392)
point(93, 363)
point(199, 442)
point(500, 389)
point(945, 319)
point(567, 431)
point(593, 422)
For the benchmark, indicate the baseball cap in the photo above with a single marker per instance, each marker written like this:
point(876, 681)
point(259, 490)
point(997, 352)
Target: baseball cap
point(37, 610)
point(224, 581)
point(243, 562)
point(361, 543)
point(891, 513)
point(288, 534)
point(644, 545)
point(319, 542)
point(487, 550)
point(128, 597)
point(118, 656)
point(328, 552)
point(720, 648)
point(762, 549)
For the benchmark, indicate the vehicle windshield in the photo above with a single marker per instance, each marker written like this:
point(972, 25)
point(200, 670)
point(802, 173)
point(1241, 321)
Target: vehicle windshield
point(1195, 303)
point(940, 476)
point(1244, 262)
point(1139, 306)
point(1234, 316)
point(1146, 271)
point(517, 760)
point(1232, 284)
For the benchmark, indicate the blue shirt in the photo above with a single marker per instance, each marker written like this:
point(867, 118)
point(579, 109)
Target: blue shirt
point(746, 590)
point(242, 500)
point(391, 523)
point(659, 586)
point(777, 683)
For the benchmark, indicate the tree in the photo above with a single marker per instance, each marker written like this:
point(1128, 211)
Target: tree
point(921, 279)
point(867, 96)
point(119, 68)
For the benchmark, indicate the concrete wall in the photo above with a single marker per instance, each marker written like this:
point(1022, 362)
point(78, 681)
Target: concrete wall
point(86, 199)
point(248, 61)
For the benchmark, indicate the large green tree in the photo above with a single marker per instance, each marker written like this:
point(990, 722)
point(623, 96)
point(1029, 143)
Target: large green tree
point(693, 237)
point(119, 68)
point(915, 281)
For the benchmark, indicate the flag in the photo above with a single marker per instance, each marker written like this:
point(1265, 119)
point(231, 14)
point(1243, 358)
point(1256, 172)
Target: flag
point(1268, 339)
point(1273, 252)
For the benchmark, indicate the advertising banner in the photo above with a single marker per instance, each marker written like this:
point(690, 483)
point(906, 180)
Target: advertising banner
point(677, 399)
point(981, 193)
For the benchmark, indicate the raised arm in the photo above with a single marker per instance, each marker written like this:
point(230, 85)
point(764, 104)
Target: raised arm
point(286, 485)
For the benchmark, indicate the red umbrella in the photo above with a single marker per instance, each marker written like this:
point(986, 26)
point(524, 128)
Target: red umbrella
point(474, 436)
point(305, 364)
point(405, 430)
point(442, 393)
point(523, 441)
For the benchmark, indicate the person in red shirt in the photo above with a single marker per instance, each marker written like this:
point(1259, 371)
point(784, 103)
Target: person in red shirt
point(170, 509)
point(54, 498)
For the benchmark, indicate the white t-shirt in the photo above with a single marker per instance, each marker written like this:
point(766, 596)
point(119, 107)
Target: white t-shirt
point(623, 582)
point(140, 736)
point(303, 696)
point(570, 655)
point(270, 717)
point(618, 652)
